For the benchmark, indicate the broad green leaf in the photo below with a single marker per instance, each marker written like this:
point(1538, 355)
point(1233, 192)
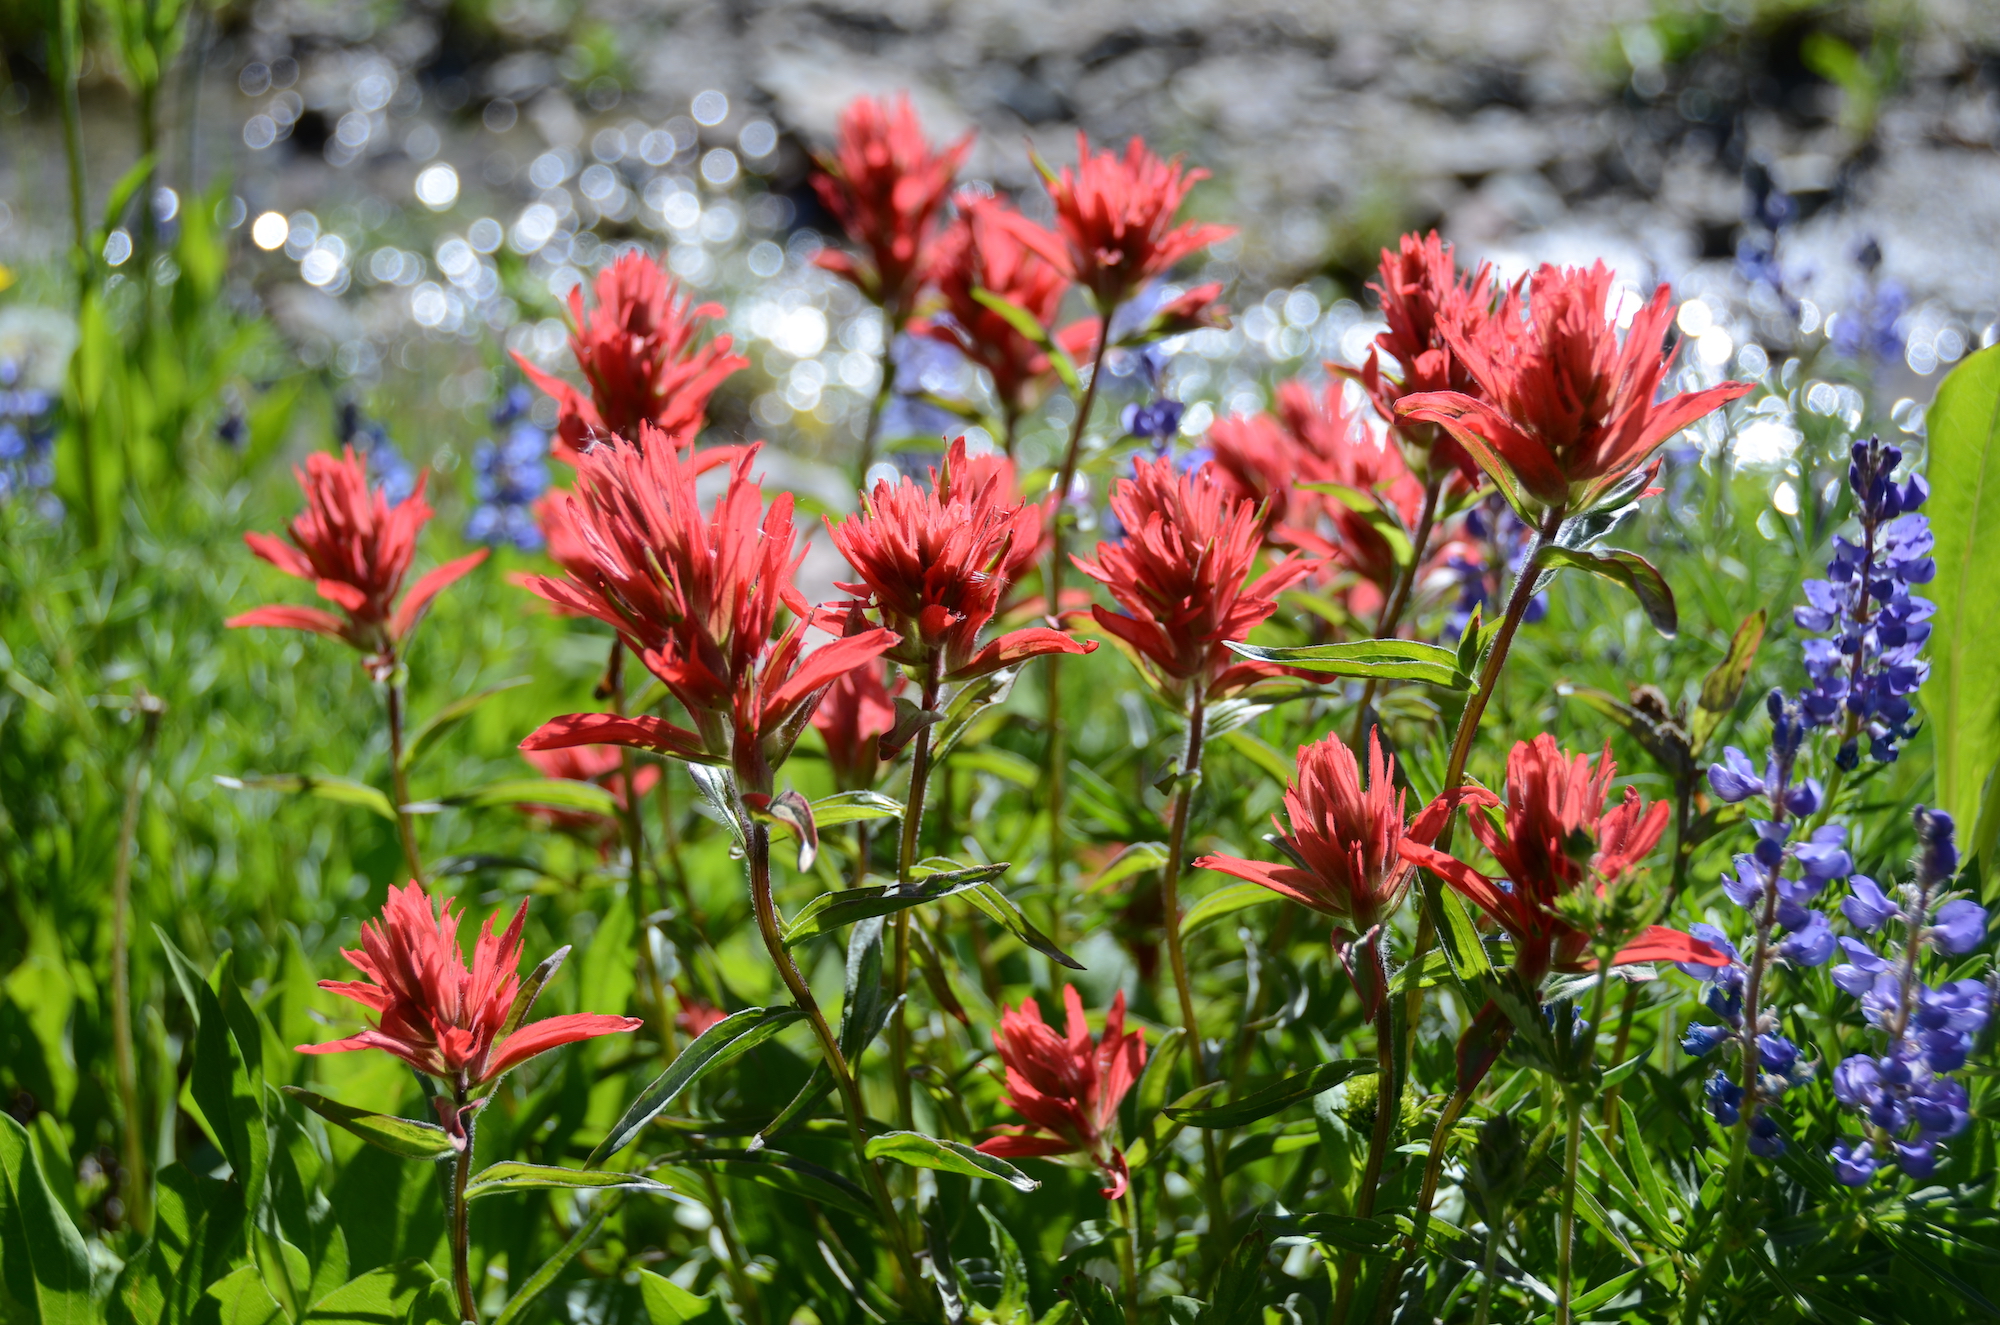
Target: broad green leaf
point(1012, 1305)
point(1387, 660)
point(557, 793)
point(928, 1152)
point(405, 1137)
point(344, 791)
point(407, 1293)
point(846, 807)
point(1628, 569)
point(443, 722)
point(513, 1176)
point(241, 1299)
point(43, 1260)
point(831, 911)
point(1962, 695)
point(1723, 686)
point(1224, 902)
point(667, 1303)
point(196, 1223)
point(720, 1044)
point(1277, 1096)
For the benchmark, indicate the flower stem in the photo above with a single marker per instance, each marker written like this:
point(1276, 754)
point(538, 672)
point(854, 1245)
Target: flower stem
point(1399, 599)
point(758, 850)
point(1128, 1255)
point(1388, 1099)
point(635, 851)
point(1566, 1240)
point(137, 1211)
point(399, 777)
point(906, 858)
point(1059, 554)
point(875, 408)
point(461, 1258)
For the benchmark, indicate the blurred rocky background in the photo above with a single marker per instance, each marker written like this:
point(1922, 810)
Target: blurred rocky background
point(413, 186)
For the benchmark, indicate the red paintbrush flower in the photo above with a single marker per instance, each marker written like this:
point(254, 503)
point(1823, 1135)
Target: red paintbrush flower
point(1179, 574)
point(1422, 292)
point(853, 716)
point(1115, 221)
point(1558, 837)
point(1344, 451)
point(599, 765)
point(638, 355)
point(355, 548)
point(885, 186)
point(978, 251)
point(1067, 1087)
point(463, 1025)
point(938, 561)
point(696, 596)
point(1567, 413)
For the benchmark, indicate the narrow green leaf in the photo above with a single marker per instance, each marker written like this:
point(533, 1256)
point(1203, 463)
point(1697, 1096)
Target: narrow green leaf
point(1962, 695)
point(551, 1269)
point(831, 911)
point(1651, 1189)
point(721, 1043)
point(1629, 570)
point(1723, 686)
point(399, 1136)
point(784, 1173)
point(929, 1152)
point(1029, 326)
point(1263, 754)
point(407, 1292)
point(1276, 1097)
point(1224, 902)
point(556, 793)
point(1135, 858)
point(442, 723)
point(846, 807)
point(344, 791)
point(1003, 764)
point(512, 1176)
point(667, 1303)
point(1387, 660)
point(1350, 1233)
point(1001, 908)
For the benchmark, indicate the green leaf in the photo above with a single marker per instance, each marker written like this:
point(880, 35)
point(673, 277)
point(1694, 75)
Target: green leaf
point(1351, 1233)
point(1723, 686)
point(551, 1269)
point(1962, 695)
point(1387, 660)
point(241, 1299)
point(1029, 326)
point(1135, 858)
point(928, 1152)
point(405, 1137)
point(783, 1173)
point(1628, 569)
point(846, 807)
point(1000, 908)
point(1652, 1192)
point(1370, 508)
point(344, 791)
point(1224, 902)
point(1598, 1296)
point(406, 1293)
point(447, 719)
point(720, 1044)
point(513, 1176)
point(1012, 1305)
point(1003, 764)
point(831, 911)
point(667, 1303)
point(1276, 1097)
point(1459, 937)
point(44, 1264)
point(556, 793)
point(1263, 754)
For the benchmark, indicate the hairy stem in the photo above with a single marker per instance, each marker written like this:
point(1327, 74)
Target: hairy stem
point(399, 777)
point(1388, 1099)
point(1566, 1239)
point(906, 859)
point(138, 1213)
point(461, 1255)
point(1058, 755)
point(1399, 599)
point(758, 851)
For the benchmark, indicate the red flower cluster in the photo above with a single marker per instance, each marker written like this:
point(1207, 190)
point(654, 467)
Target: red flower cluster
point(1345, 843)
point(937, 563)
point(696, 597)
point(885, 186)
point(355, 548)
point(596, 764)
point(1179, 574)
point(638, 355)
point(1422, 293)
point(461, 1024)
point(1558, 837)
point(853, 716)
point(1567, 412)
point(979, 251)
point(1067, 1087)
point(1115, 225)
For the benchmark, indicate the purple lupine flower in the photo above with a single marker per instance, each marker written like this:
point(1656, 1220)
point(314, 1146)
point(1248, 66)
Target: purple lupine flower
point(510, 477)
point(387, 468)
point(27, 439)
point(1503, 543)
point(1927, 1032)
point(1864, 673)
point(1155, 422)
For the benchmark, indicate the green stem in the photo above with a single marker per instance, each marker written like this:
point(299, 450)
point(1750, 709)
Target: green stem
point(758, 850)
point(1388, 1099)
point(137, 1211)
point(906, 859)
point(1052, 676)
point(461, 1254)
point(1128, 1255)
point(634, 829)
point(1566, 1242)
point(399, 777)
point(1399, 599)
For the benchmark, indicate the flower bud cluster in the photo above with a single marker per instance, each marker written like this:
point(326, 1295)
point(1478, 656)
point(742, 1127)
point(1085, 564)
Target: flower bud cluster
point(1906, 1097)
point(1868, 666)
